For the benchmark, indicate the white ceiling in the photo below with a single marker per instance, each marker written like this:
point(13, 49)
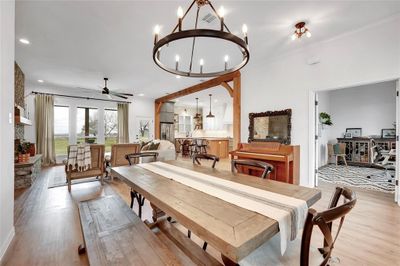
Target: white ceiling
point(77, 43)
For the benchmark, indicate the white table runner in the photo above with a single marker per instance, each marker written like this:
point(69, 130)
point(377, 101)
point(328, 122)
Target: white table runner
point(289, 212)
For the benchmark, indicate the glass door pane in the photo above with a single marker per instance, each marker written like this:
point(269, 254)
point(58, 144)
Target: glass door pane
point(110, 128)
point(87, 125)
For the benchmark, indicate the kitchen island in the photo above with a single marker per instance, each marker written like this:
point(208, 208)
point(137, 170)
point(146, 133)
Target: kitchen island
point(216, 146)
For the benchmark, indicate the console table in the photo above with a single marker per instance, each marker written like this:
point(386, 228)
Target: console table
point(358, 150)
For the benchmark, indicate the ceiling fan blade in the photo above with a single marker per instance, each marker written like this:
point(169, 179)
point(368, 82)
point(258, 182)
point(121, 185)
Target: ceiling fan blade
point(120, 96)
point(126, 94)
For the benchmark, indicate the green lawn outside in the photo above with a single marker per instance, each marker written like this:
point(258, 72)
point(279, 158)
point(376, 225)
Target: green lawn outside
point(61, 144)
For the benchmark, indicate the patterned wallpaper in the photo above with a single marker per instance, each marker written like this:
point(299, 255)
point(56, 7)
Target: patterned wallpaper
point(19, 85)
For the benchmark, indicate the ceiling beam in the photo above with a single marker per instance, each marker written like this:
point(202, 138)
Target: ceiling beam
point(199, 87)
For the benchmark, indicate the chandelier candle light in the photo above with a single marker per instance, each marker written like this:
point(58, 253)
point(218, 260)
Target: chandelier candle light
point(178, 33)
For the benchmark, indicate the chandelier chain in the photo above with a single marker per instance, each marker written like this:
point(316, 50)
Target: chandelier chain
point(194, 40)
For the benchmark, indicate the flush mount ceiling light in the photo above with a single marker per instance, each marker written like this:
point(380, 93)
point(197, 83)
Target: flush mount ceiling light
point(24, 41)
point(40, 80)
point(210, 115)
point(300, 31)
point(179, 34)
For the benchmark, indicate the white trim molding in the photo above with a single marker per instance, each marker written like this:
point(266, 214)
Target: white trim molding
point(7, 243)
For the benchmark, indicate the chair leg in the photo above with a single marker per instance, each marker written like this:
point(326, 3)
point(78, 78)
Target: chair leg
point(345, 161)
point(69, 184)
point(102, 179)
point(205, 246)
point(189, 233)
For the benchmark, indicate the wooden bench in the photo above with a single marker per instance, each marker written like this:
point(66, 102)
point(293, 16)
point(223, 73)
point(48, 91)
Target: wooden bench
point(114, 235)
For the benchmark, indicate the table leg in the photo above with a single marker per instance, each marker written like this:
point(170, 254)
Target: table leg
point(227, 261)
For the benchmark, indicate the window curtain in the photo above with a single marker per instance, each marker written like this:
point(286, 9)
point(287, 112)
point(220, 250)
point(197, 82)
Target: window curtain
point(123, 123)
point(44, 120)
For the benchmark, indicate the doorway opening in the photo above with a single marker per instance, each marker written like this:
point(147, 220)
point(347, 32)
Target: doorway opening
point(356, 134)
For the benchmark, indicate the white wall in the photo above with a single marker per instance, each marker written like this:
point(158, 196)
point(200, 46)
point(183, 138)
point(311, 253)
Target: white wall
point(7, 29)
point(140, 107)
point(365, 56)
point(370, 107)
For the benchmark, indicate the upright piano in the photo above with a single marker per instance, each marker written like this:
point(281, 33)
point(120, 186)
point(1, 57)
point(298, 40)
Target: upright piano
point(284, 158)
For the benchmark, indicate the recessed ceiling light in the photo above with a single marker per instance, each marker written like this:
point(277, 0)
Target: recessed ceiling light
point(215, 100)
point(40, 80)
point(178, 77)
point(24, 41)
point(141, 94)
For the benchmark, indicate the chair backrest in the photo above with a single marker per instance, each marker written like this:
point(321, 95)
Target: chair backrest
point(339, 148)
point(198, 156)
point(134, 158)
point(97, 156)
point(119, 151)
point(266, 167)
point(324, 222)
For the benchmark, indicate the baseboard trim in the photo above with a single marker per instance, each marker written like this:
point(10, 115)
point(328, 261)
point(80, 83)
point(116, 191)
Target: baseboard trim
point(7, 243)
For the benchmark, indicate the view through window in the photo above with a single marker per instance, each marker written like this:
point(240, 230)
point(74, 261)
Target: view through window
point(87, 125)
point(110, 128)
point(61, 131)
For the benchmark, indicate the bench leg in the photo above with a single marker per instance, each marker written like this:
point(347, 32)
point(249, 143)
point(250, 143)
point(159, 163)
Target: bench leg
point(228, 262)
point(81, 249)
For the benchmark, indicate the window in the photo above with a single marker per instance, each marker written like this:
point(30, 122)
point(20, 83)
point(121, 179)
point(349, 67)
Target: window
point(87, 125)
point(110, 128)
point(185, 124)
point(61, 131)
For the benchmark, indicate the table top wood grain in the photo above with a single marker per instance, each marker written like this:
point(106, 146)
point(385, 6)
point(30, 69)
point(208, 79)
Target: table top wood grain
point(232, 230)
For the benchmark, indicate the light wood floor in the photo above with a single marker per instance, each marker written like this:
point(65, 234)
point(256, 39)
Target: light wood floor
point(48, 230)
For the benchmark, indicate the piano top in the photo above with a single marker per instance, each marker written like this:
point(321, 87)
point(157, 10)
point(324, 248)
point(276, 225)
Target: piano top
point(263, 148)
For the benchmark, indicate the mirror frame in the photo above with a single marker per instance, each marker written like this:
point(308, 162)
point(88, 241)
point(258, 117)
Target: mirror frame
point(287, 112)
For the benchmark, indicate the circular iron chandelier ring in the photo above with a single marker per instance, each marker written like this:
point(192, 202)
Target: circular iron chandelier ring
point(227, 36)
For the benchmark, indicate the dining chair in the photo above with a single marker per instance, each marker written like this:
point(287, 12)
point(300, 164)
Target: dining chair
point(265, 167)
point(204, 156)
point(134, 158)
point(269, 253)
point(118, 153)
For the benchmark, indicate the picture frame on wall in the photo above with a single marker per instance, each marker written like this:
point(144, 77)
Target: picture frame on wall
point(388, 133)
point(355, 132)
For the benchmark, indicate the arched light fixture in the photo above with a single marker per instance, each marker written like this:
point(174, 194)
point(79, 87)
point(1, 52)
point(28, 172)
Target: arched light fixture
point(210, 115)
point(178, 33)
point(300, 31)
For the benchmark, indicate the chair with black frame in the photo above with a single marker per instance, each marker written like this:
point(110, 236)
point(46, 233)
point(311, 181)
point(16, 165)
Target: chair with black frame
point(268, 253)
point(204, 156)
point(383, 159)
point(196, 159)
point(135, 158)
point(266, 167)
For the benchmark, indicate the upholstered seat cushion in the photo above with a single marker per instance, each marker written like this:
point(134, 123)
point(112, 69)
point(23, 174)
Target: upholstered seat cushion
point(270, 254)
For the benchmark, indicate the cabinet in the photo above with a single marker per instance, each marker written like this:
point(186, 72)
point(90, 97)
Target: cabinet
point(218, 147)
point(358, 150)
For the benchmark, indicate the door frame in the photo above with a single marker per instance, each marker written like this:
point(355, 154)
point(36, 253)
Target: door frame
point(313, 131)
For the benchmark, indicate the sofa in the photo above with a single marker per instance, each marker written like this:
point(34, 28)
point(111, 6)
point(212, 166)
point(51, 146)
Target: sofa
point(165, 149)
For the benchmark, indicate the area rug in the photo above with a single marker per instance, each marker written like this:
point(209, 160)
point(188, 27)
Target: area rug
point(59, 180)
point(360, 177)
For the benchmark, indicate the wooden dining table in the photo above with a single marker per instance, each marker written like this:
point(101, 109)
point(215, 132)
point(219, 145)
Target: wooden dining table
point(234, 231)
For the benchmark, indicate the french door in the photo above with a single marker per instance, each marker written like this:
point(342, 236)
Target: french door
point(397, 191)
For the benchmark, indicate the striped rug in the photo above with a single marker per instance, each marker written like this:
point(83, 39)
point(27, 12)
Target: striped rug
point(360, 177)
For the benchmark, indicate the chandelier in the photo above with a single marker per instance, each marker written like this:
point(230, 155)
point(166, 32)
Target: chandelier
point(180, 34)
point(300, 31)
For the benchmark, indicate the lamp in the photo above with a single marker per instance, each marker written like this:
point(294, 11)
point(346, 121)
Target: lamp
point(210, 115)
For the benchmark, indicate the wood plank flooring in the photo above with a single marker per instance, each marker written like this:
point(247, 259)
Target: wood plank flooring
point(48, 230)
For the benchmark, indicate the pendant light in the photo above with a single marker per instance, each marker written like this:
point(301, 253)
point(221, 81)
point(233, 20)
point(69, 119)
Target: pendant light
point(197, 116)
point(210, 115)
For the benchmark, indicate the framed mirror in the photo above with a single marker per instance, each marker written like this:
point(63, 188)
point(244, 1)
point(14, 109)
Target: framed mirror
point(271, 126)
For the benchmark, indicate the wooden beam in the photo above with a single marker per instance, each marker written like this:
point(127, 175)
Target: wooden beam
point(227, 87)
point(199, 87)
point(236, 110)
point(157, 108)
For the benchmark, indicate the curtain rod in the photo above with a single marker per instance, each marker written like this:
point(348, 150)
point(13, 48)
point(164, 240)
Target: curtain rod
point(78, 97)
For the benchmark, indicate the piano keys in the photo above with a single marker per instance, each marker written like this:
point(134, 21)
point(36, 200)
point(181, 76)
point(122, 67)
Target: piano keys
point(284, 158)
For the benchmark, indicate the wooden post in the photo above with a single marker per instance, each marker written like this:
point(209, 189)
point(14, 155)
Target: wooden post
point(236, 110)
point(157, 108)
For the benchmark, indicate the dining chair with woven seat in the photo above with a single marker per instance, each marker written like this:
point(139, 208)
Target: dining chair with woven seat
point(134, 158)
point(210, 157)
point(270, 254)
point(265, 167)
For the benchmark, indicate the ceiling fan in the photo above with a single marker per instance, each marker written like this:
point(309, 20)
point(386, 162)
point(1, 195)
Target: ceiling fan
point(106, 91)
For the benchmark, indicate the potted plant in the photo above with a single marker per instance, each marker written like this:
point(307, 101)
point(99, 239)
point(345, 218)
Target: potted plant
point(325, 119)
